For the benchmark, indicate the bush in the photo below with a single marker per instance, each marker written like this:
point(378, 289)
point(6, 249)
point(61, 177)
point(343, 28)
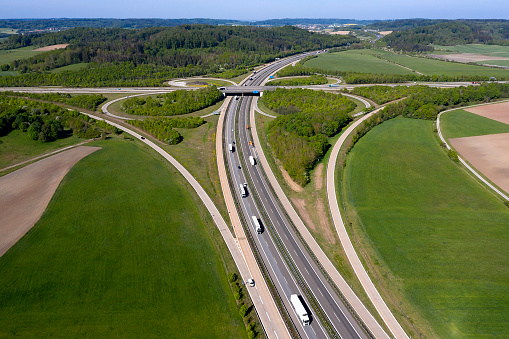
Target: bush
point(243, 310)
point(232, 277)
point(453, 155)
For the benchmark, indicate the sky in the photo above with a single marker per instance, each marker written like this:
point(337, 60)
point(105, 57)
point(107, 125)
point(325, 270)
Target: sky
point(257, 10)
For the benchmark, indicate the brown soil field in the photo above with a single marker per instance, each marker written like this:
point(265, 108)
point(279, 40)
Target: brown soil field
point(340, 33)
point(51, 48)
point(384, 32)
point(466, 57)
point(488, 154)
point(27, 191)
point(498, 112)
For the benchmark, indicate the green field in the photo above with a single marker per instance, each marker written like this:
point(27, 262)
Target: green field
point(384, 62)
point(460, 123)
point(8, 56)
point(16, 147)
point(355, 61)
point(435, 238)
point(73, 67)
point(494, 62)
point(493, 50)
point(123, 250)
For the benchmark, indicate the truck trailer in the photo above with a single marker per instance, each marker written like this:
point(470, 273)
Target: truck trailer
point(256, 225)
point(299, 309)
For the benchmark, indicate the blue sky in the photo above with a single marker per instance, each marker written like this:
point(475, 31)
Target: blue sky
point(256, 10)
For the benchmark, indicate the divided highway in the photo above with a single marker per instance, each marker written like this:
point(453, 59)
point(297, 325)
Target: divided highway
point(290, 266)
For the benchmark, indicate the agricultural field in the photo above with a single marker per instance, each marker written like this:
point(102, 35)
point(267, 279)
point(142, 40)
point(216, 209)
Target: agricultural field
point(16, 147)
point(385, 62)
point(8, 56)
point(434, 238)
point(73, 67)
point(460, 123)
point(491, 50)
point(144, 260)
point(355, 61)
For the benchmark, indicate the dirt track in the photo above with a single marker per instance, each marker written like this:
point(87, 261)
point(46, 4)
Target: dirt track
point(467, 57)
point(25, 193)
point(488, 154)
point(499, 112)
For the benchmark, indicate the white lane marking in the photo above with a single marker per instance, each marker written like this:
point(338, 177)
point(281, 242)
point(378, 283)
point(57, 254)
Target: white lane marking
point(307, 270)
point(337, 317)
point(268, 316)
point(276, 334)
point(313, 330)
point(285, 280)
point(261, 298)
point(321, 293)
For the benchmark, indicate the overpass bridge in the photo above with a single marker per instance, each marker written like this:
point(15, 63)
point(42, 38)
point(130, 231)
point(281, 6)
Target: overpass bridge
point(245, 90)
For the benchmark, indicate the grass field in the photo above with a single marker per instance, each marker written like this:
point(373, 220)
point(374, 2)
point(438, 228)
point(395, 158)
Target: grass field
point(17, 147)
point(435, 238)
point(493, 50)
point(74, 67)
point(355, 61)
point(8, 56)
point(384, 62)
point(495, 62)
point(123, 250)
point(460, 123)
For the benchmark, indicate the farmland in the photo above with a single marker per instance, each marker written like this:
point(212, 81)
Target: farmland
point(417, 224)
point(491, 50)
point(460, 123)
point(144, 260)
point(384, 62)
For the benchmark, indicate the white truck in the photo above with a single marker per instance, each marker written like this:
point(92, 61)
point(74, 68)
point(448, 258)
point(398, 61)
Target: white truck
point(252, 160)
point(230, 147)
point(256, 225)
point(243, 191)
point(299, 309)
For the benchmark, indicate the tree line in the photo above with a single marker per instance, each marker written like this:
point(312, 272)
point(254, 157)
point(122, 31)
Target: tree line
point(448, 33)
point(163, 128)
point(86, 101)
point(173, 103)
point(299, 136)
point(426, 103)
point(47, 122)
point(187, 49)
point(312, 80)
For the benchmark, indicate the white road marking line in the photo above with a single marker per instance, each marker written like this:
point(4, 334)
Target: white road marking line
point(337, 317)
point(261, 299)
point(268, 316)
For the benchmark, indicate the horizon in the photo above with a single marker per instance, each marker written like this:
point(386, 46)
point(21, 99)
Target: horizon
point(246, 11)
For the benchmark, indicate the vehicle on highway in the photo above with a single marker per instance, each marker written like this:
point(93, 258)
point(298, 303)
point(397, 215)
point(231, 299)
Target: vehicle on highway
point(252, 160)
point(142, 138)
point(256, 225)
point(243, 191)
point(236, 97)
point(300, 310)
point(230, 147)
point(251, 282)
point(222, 88)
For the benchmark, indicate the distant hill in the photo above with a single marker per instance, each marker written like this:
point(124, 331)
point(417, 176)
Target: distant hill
point(447, 33)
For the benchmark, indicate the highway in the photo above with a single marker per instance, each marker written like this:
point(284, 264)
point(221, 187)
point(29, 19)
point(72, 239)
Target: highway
point(291, 268)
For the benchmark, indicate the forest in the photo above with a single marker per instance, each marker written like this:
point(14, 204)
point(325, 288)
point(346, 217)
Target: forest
point(47, 122)
point(86, 101)
point(173, 103)
point(448, 33)
point(159, 52)
point(299, 136)
point(163, 128)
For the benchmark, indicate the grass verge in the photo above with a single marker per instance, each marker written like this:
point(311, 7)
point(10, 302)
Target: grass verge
point(145, 259)
point(434, 241)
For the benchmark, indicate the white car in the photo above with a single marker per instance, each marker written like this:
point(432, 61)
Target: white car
point(250, 282)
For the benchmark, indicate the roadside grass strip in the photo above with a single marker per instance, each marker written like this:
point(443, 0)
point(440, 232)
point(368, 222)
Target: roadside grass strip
point(122, 250)
point(435, 232)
